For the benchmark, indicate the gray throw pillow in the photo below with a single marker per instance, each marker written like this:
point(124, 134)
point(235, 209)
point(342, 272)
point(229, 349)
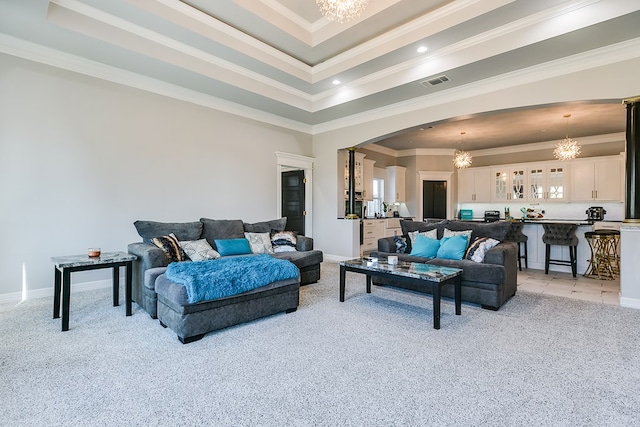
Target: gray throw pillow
point(266, 226)
point(221, 229)
point(182, 230)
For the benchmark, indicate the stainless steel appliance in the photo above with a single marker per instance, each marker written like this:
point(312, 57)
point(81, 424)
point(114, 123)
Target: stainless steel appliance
point(359, 205)
point(595, 213)
point(491, 216)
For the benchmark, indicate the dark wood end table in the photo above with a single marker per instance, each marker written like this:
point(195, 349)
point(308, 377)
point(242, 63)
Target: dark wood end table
point(65, 265)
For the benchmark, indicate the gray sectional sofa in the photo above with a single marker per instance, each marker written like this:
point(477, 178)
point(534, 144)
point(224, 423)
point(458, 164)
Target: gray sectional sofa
point(152, 261)
point(489, 283)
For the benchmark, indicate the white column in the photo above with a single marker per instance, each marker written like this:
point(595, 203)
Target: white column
point(629, 265)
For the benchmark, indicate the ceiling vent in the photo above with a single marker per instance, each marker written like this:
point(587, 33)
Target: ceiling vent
point(435, 81)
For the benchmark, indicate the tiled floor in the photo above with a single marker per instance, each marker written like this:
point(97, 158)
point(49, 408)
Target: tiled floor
point(565, 285)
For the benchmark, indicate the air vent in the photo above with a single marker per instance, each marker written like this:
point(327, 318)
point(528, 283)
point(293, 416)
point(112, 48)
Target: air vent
point(435, 81)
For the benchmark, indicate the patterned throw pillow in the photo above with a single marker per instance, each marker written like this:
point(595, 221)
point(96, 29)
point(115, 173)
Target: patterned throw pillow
point(283, 241)
point(170, 246)
point(432, 234)
point(260, 243)
point(451, 233)
point(401, 244)
point(199, 250)
point(478, 249)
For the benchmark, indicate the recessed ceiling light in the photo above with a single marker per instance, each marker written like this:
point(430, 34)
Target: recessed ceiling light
point(422, 49)
point(336, 82)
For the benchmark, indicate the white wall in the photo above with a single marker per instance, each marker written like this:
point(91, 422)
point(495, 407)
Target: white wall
point(81, 159)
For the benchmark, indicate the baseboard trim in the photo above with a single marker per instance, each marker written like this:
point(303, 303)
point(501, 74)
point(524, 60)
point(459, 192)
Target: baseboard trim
point(630, 302)
point(335, 258)
point(16, 297)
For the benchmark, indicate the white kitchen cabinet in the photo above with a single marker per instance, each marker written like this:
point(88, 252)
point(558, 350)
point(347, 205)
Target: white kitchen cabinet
point(547, 182)
point(392, 227)
point(597, 179)
point(358, 170)
point(395, 188)
point(372, 229)
point(473, 185)
point(508, 183)
point(367, 178)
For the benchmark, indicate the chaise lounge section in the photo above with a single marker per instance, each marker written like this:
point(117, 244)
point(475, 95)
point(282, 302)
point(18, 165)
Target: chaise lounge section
point(211, 302)
point(152, 261)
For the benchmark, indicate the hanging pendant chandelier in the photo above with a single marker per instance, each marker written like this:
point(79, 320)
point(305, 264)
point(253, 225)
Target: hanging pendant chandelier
point(341, 11)
point(568, 148)
point(462, 159)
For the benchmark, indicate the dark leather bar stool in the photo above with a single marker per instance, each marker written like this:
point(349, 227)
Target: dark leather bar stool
point(515, 235)
point(560, 235)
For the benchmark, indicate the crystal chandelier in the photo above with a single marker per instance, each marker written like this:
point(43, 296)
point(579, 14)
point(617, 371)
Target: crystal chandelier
point(341, 10)
point(461, 158)
point(568, 148)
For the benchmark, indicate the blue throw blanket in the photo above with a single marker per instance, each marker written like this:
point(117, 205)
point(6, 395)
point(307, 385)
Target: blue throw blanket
point(224, 277)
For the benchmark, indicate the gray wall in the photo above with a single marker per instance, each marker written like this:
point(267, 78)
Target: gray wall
point(82, 158)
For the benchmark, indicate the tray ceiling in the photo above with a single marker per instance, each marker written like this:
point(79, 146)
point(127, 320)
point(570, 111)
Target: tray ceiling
point(279, 58)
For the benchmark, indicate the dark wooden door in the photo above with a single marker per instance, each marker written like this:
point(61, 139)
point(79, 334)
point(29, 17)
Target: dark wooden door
point(434, 199)
point(293, 200)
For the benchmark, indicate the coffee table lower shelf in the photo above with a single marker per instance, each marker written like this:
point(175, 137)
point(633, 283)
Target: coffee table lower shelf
point(414, 273)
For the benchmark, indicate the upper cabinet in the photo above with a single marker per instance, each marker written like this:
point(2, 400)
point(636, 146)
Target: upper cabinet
point(579, 180)
point(597, 179)
point(358, 172)
point(367, 178)
point(395, 191)
point(472, 185)
point(547, 183)
point(508, 183)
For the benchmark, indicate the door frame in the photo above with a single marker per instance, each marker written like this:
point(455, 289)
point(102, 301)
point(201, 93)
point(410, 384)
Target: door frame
point(286, 162)
point(434, 176)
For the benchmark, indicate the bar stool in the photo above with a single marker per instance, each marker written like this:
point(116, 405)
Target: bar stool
point(515, 235)
point(605, 261)
point(560, 235)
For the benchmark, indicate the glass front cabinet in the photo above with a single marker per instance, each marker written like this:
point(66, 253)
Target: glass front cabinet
point(547, 183)
point(508, 184)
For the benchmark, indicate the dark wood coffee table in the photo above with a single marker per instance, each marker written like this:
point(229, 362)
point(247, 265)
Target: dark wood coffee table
point(433, 276)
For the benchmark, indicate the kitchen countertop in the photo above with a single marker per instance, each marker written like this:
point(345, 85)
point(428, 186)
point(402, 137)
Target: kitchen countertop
point(545, 221)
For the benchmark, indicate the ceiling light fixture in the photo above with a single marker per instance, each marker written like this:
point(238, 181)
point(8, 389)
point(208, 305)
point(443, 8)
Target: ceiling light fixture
point(336, 82)
point(568, 148)
point(422, 49)
point(341, 11)
point(462, 159)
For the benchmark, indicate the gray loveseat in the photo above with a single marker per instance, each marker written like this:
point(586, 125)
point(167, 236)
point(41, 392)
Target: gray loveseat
point(489, 283)
point(152, 262)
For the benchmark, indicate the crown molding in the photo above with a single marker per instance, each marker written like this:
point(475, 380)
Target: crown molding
point(75, 15)
point(379, 149)
point(44, 55)
point(95, 23)
point(520, 148)
point(619, 52)
point(448, 16)
point(207, 26)
point(549, 145)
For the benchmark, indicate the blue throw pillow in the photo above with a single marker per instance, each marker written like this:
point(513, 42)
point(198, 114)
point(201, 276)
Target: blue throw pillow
point(453, 247)
point(233, 247)
point(425, 246)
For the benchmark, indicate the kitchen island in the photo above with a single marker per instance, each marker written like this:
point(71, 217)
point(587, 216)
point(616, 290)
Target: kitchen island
point(536, 248)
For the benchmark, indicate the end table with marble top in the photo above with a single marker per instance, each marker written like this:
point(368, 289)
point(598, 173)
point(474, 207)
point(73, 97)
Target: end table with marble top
point(65, 265)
